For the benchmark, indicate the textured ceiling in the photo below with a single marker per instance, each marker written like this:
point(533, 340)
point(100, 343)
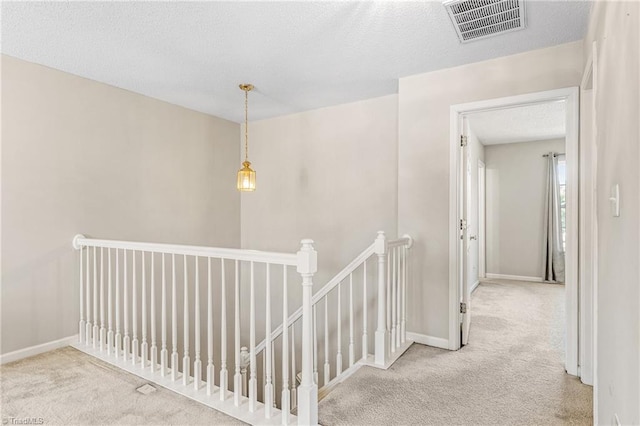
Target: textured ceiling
point(520, 124)
point(299, 55)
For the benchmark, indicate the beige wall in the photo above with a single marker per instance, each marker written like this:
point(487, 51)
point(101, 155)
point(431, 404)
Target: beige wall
point(516, 180)
point(423, 180)
point(329, 174)
point(615, 26)
point(82, 157)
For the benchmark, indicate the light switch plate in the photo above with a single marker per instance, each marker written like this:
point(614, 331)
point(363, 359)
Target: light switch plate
point(615, 200)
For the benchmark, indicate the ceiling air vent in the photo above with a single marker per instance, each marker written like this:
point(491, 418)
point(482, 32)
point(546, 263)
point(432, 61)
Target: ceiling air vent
point(477, 19)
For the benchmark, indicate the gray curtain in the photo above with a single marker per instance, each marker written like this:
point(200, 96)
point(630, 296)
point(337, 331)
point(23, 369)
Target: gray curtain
point(552, 251)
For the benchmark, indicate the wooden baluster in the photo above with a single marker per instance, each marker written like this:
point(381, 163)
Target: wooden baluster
point(394, 299)
point(394, 296)
point(154, 348)
point(315, 345)
point(96, 329)
point(365, 304)
point(352, 351)
point(103, 330)
point(398, 295)
point(389, 296)
point(174, 321)
point(164, 352)
point(244, 354)
point(109, 306)
point(339, 334)
point(403, 329)
point(327, 367)
point(134, 314)
point(210, 367)
point(285, 403)
point(144, 349)
point(186, 363)
point(237, 377)
point(87, 339)
point(294, 387)
point(273, 371)
point(224, 373)
point(126, 343)
point(268, 387)
point(253, 381)
point(118, 335)
point(197, 363)
point(264, 368)
point(82, 324)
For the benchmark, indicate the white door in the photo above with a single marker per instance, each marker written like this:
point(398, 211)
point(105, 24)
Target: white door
point(465, 180)
point(482, 263)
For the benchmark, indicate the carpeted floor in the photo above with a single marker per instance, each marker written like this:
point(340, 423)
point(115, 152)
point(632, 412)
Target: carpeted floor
point(510, 373)
point(68, 387)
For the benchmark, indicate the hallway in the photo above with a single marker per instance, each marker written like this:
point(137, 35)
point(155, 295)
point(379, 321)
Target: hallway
point(510, 373)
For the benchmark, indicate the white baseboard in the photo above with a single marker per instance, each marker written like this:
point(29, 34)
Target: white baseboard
point(474, 286)
point(514, 277)
point(326, 389)
point(423, 339)
point(391, 359)
point(37, 349)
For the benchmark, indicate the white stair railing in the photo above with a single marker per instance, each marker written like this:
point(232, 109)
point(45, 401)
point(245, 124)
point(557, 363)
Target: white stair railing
point(130, 296)
point(263, 392)
point(388, 291)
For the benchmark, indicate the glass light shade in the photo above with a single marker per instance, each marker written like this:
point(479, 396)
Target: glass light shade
point(246, 178)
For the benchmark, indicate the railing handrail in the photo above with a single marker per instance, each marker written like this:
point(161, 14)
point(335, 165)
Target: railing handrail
point(405, 240)
point(289, 259)
point(333, 283)
point(337, 279)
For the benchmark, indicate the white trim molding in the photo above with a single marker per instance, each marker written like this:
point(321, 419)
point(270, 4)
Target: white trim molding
point(423, 339)
point(38, 349)
point(475, 286)
point(513, 277)
point(589, 225)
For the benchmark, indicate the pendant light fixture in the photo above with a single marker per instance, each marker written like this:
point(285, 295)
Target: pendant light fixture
point(246, 175)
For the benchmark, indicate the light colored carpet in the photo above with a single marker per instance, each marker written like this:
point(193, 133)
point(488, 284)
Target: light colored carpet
point(68, 387)
point(510, 373)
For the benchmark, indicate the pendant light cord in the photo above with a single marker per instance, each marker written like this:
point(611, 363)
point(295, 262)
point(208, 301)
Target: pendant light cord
point(246, 125)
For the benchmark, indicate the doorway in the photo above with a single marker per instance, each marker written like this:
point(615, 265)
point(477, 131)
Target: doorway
point(464, 165)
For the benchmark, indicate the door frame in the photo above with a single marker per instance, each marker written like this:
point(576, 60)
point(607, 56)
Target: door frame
point(464, 203)
point(589, 254)
point(482, 217)
point(571, 96)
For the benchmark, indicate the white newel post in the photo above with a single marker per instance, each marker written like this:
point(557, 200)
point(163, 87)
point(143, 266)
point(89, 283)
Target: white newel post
point(308, 390)
point(381, 348)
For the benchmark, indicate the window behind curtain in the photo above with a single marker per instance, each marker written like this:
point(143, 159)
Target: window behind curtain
point(562, 178)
